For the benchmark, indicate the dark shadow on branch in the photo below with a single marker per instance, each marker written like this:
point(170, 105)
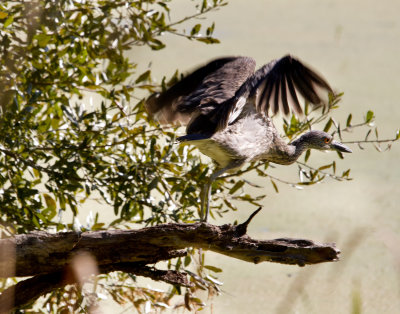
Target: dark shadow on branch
point(27, 291)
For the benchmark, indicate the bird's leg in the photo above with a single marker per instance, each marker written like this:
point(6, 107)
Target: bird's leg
point(206, 194)
point(206, 191)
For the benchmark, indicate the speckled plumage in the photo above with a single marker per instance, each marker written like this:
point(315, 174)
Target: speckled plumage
point(226, 106)
point(252, 137)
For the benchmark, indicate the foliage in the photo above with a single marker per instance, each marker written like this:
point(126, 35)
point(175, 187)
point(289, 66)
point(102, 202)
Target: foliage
point(73, 128)
point(63, 149)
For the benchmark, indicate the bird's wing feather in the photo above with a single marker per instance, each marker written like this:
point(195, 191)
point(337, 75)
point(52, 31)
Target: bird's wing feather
point(275, 87)
point(284, 79)
point(201, 91)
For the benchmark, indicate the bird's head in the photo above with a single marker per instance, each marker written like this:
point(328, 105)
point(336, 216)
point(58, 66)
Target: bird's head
point(322, 141)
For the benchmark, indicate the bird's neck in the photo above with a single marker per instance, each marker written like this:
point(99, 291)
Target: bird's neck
point(286, 154)
point(299, 147)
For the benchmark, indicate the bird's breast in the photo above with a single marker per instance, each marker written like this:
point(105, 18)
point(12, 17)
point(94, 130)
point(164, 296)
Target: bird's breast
point(249, 138)
point(221, 154)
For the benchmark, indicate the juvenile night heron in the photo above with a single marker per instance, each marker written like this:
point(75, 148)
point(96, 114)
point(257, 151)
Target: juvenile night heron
point(225, 105)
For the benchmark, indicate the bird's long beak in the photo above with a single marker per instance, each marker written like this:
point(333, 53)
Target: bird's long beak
point(340, 147)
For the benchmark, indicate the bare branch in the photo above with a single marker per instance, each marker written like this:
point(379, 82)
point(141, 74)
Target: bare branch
point(27, 291)
point(48, 257)
point(40, 252)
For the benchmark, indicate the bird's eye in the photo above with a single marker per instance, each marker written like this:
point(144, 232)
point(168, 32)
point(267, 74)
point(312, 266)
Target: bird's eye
point(327, 140)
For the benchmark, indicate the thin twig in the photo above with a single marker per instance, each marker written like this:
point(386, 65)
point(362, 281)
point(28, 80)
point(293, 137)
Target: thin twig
point(29, 162)
point(323, 172)
point(371, 141)
point(166, 28)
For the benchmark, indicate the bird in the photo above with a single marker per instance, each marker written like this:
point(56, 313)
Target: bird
point(228, 106)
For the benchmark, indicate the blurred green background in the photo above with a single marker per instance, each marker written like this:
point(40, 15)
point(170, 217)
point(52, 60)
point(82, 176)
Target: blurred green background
point(356, 46)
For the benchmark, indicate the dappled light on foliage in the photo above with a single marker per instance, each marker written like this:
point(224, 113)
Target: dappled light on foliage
point(67, 145)
point(73, 128)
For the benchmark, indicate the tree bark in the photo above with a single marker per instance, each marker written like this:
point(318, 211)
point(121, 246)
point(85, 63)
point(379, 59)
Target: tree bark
point(41, 253)
point(29, 290)
point(46, 256)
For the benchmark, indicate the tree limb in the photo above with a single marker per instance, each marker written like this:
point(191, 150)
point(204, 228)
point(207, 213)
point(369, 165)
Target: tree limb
point(47, 256)
point(42, 253)
point(27, 291)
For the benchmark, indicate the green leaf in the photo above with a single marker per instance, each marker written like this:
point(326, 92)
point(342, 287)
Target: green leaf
point(348, 122)
point(308, 154)
point(328, 125)
point(178, 264)
point(35, 222)
point(187, 260)
point(369, 116)
point(213, 268)
point(143, 77)
point(306, 183)
point(274, 185)
point(208, 40)
point(325, 167)
point(97, 226)
point(210, 30)
point(236, 187)
point(195, 30)
point(204, 5)
point(8, 21)
point(37, 173)
point(230, 205)
point(50, 202)
point(43, 39)
point(346, 173)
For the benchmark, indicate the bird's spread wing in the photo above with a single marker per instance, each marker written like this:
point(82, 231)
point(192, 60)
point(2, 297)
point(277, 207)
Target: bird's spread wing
point(275, 87)
point(201, 91)
point(278, 83)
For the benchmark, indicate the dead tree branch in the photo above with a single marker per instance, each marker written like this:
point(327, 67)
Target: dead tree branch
point(42, 253)
point(46, 256)
point(29, 290)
